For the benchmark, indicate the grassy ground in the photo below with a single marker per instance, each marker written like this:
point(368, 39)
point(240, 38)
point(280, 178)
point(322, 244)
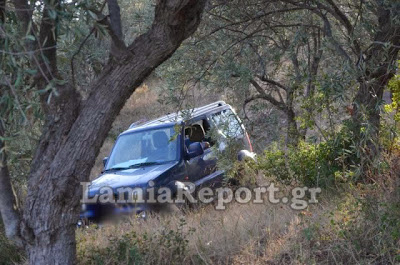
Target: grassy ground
point(351, 224)
point(206, 236)
point(357, 226)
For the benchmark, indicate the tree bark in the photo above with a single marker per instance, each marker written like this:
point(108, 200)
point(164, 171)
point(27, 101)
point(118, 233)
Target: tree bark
point(116, 25)
point(376, 70)
point(293, 135)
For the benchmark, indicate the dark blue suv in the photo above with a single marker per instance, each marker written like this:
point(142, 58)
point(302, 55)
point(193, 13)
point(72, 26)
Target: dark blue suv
point(174, 149)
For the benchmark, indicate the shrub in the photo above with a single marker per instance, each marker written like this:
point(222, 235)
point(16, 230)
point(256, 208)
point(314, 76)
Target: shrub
point(322, 164)
point(390, 122)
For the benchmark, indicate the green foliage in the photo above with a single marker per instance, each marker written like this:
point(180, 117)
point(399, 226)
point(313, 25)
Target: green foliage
point(236, 48)
point(20, 112)
point(362, 228)
point(388, 216)
point(322, 164)
point(394, 87)
point(368, 226)
point(242, 173)
point(390, 125)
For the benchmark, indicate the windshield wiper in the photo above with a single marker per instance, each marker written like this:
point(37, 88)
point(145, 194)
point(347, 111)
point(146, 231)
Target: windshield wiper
point(116, 168)
point(144, 164)
point(132, 166)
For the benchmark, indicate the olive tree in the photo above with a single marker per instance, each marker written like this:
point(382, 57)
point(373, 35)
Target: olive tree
point(350, 46)
point(75, 125)
point(365, 34)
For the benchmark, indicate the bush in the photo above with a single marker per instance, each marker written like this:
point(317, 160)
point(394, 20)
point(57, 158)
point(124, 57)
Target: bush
point(322, 164)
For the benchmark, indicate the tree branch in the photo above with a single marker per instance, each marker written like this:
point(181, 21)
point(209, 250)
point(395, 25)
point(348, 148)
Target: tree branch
point(296, 64)
point(79, 50)
point(250, 19)
point(329, 34)
point(339, 15)
point(24, 12)
point(2, 11)
point(75, 54)
point(327, 25)
point(280, 105)
point(115, 26)
point(112, 23)
point(252, 98)
point(273, 82)
point(48, 38)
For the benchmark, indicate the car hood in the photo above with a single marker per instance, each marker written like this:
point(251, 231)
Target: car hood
point(134, 177)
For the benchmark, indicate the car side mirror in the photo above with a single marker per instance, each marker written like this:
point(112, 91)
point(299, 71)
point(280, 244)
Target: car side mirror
point(194, 149)
point(105, 161)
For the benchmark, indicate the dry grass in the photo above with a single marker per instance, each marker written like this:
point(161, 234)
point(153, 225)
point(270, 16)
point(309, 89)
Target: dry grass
point(218, 237)
point(360, 225)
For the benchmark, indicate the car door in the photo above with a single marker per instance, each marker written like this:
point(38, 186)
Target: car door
point(202, 165)
point(202, 169)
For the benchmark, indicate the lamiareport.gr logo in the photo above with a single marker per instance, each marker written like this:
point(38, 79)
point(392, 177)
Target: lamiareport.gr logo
point(185, 192)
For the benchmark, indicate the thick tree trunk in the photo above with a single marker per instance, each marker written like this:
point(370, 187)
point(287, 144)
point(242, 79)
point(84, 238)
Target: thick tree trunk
point(59, 248)
point(366, 115)
point(75, 131)
point(293, 134)
point(377, 68)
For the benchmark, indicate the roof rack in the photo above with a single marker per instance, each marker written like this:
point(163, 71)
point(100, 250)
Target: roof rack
point(179, 116)
point(137, 123)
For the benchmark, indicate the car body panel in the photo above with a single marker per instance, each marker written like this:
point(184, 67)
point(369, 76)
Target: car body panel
point(135, 177)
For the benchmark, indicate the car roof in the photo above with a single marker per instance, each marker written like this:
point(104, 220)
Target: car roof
point(179, 117)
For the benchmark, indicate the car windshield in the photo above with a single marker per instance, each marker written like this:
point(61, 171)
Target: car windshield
point(145, 147)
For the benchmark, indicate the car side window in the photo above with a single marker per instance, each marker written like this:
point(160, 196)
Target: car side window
point(228, 124)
